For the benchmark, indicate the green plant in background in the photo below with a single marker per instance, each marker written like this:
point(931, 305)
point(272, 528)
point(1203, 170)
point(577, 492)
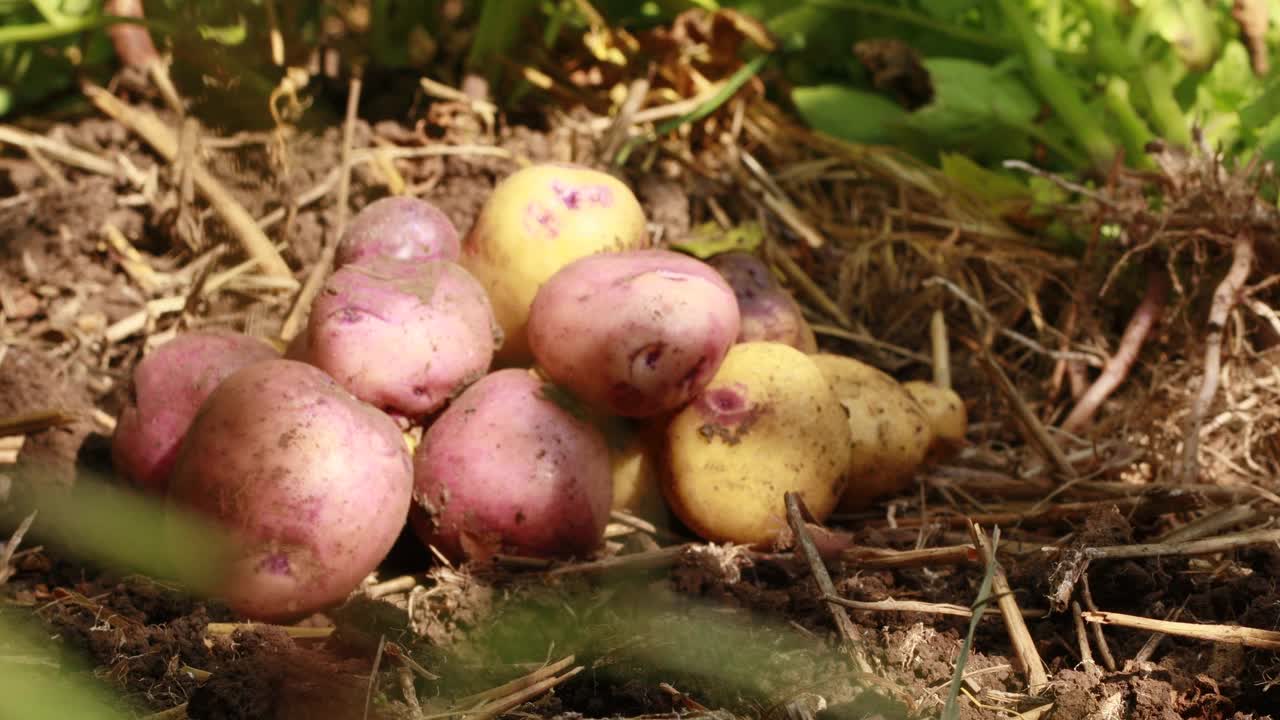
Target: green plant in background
point(41, 45)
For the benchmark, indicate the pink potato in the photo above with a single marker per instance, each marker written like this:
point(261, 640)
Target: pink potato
point(166, 389)
point(506, 469)
point(401, 228)
point(635, 333)
point(537, 220)
point(769, 312)
point(403, 336)
point(312, 484)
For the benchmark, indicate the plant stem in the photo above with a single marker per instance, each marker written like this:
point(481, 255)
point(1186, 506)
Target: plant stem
point(1056, 88)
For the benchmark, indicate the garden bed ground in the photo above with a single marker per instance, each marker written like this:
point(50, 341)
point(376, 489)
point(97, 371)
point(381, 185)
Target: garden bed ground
point(663, 625)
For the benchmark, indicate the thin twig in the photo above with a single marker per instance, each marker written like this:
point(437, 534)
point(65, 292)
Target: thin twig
point(293, 631)
point(1208, 546)
point(525, 681)
point(1033, 429)
point(919, 606)
point(1224, 300)
point(1215, 522)
point(1144, 318)
point(1099, 638)
point(1148, 649)
point(804, 542)
point(163, 141)
point(59, 151)
point(11, 547)
point(293, 323)
point(373, 675)
point(35, 421)
point(1229, 634)
point(647, 560)
point(1082, 637)
point(1023, 645)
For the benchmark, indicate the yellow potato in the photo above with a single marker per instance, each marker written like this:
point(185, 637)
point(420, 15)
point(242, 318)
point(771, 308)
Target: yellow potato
point(947, 416)
point(890, 434)
point(635, 479)
point(536, 221)
point(767, 423)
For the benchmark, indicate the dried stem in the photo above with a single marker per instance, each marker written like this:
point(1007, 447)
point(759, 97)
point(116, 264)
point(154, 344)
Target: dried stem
point(1229, 634)
point(1144, 318)
point(1224, 300)
point(941, 352)
point(293, 323)
point(1032, 428)
point(1082, 638)
point(163, 141)
point(804, 542)
point(1099, 638)
point(11, 547)
point(918, 606)
point(59, 151)
point(1023, 645)
point(1209, 546)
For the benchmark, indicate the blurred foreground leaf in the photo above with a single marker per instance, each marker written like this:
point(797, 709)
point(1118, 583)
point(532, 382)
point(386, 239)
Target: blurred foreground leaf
point(124, 531)
point(36, 690)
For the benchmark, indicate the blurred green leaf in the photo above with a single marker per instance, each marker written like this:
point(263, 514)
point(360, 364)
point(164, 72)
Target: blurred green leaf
point(709, 239)
point(995, 187)
point(225, 34)
point(849, 113)
point(1228, 86)
point(974, 108)
point(39, 690)
point(125, 531)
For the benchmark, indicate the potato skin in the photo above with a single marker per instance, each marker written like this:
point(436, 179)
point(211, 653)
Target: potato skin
point(401, 228)
point(947, 415)
point(166, 389)
point(506, 469)
point(889, 433)
point(636, 474)
point(767, 424)
point(634, 333)
point(403, 336)
point(314, 484)
point(536, 221)
point(768, 310)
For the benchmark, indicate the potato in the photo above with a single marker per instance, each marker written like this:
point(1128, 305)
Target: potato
point(635, 471)
point(165, 390)
point(767, 424)
point(312, 484)
point(403, 336)
point(401, 228)
point(947, 417)
point(890, 434)
point(506, 469)
point(768, 311)
point(633, 333)
point(536, 221)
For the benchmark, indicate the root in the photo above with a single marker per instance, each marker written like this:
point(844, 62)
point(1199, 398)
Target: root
point(1224, 301)
point(1145, 316)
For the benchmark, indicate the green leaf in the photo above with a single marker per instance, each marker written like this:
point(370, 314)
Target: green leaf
point(225, 34)
point(849, 113)
point(1230, 84)
point(974, 108)
point(995, 187)
point(709, 239)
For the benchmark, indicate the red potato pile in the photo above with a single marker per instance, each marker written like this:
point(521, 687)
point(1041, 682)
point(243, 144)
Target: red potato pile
point(512, 350)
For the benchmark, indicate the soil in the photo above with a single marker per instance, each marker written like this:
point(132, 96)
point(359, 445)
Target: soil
point(743, 634)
